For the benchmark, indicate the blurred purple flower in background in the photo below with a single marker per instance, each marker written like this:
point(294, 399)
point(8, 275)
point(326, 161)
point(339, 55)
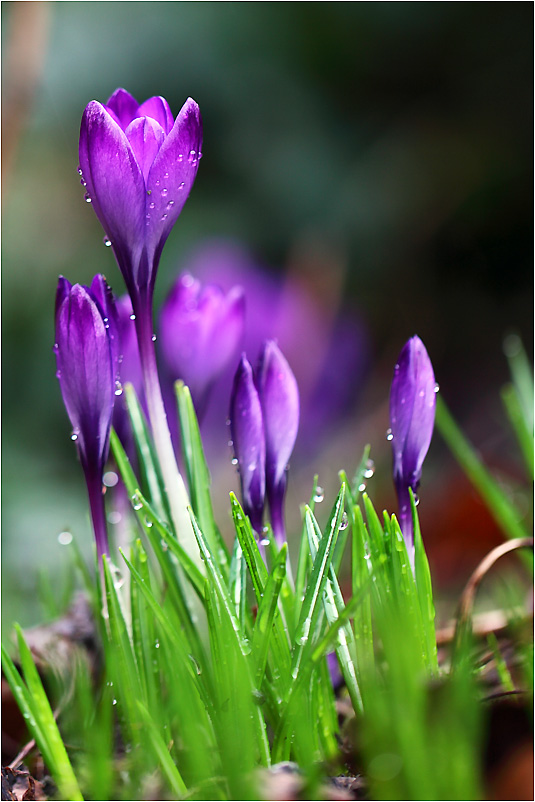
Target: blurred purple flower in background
point(279, 398)
point(247, 428)
point(138, 166)
point(264, 416)
point(326, 344)
point(201, 329)
point(412, 418)
point(87, 355)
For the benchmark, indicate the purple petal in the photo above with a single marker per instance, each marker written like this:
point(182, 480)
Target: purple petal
point(279, 397)
point(201, 329)
point(114, 183)
point(412, 411)
point(145, 136)
point(248, 438)
point(103, 295)
point(124, 107)
point(172, 175)
point(85, 372)
point(158, 109)
point(63, 289)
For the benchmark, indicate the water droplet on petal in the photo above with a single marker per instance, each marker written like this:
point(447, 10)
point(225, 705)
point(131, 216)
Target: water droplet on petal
point(132, 317)
point(87, 197)
point(107, 242)
point(182, 185)
point(74, 435)
point(234, 460)
point(153, 338)
point(80, 171)
point(436, 388)
point(165, 192)
point(389, 434)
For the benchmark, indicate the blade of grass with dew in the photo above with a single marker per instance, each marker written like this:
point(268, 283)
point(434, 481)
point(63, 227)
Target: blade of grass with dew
point(198, 475)
point(40, 718)
point(146, 452)
point(175, 637)
point(266, 613)
point(238, 582)
point(503, 512)
point(287, 593)
point(318, 580)
point(303, 561)
point(424, 589)
point(161, 753)
point(121, 657)
point(333, 604)
point(279, 659)
point(361, 575)
point(181, 604)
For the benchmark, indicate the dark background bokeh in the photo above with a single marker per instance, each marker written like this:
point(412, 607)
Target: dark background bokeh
point(391, 143)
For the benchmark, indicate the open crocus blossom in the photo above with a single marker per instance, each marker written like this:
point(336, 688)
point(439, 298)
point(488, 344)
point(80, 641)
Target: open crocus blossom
point(279, 398)
point(247, 429)
point(87, 353)
point(201, 328)
point(264, 418)
point(412, 418)
point(138, 165)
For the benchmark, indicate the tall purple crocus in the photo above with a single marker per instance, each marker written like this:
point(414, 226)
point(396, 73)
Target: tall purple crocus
point(264, 418)
point(412, 417)
point(138, 166)
point(87, 352)
point(201, 328)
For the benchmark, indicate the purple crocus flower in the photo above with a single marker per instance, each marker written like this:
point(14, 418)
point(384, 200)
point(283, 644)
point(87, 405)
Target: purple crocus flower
point(201, 328)
point(412, 417)
point(138, 166)
point(247, 428)
point(264, 417)
point(87, 368)
point(279, 398)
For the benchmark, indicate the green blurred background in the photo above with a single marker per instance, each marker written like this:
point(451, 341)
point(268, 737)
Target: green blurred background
point(389, 143)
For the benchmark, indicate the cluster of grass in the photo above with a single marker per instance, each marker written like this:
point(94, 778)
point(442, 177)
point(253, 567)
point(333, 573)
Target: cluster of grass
point(213, 670)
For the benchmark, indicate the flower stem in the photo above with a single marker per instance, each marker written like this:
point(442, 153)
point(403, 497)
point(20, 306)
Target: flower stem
point(173, 482)
point(98, 511)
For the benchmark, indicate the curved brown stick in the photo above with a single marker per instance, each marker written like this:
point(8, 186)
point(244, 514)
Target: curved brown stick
point(467, 599)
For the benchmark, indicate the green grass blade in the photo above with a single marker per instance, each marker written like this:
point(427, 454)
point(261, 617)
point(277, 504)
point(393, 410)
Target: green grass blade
point(333, 605)
point(146, 453)
point(318, 579)
point(161, 753)
point(361, 571)
point(303, 561)
point(522, 376)
point(515, 413)
point(237, 582)
point(198, 475)
point(503, 512)
point(424, 589)
point(266, 613)
point(40, 718)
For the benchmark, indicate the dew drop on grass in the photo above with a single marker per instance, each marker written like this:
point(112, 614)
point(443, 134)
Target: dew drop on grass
point(164, 545)
point(344, 522)
point(136, 503)
point(319, 494)
point(64, 538)
point(148, 523)
point(370, 469)
point(265, 541)
point(362, 487)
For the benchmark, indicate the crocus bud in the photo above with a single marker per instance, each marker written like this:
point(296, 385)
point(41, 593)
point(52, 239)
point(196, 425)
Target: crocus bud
point(279, 398)
point(138, 166)
point(412, 417)
point(87, 354)
point(201, 328)
point(247, 429)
